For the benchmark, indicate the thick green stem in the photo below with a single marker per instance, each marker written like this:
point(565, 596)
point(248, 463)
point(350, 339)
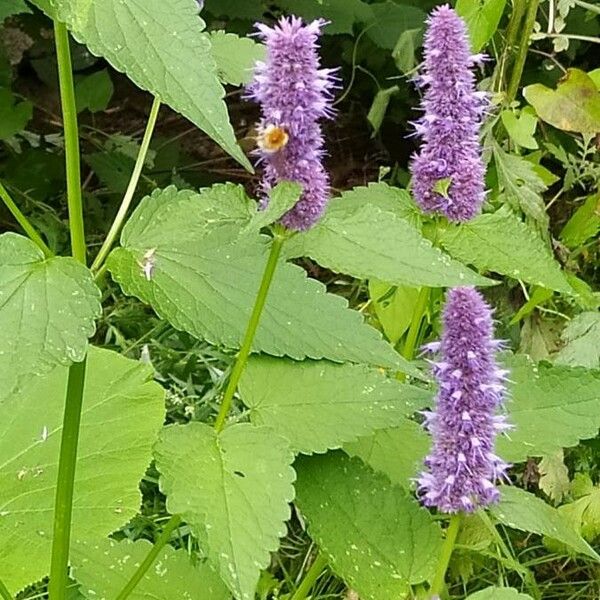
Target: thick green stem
point(437, 584)
point(519, 64)
point(310, 578)
point(160, 543)
point(408, 351)
point(259, 304)
point(513, 28)
point(63, 506)
point(73, 167)
point(22, 220)
point(131, 187)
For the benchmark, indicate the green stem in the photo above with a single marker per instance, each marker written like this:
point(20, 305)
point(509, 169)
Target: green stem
point(588, 6)
point(4, 591)
point(131, 187)
point(514, 25)
point(63, 506)
point(161, 542)
point(517, 70)
point(73, 167)
point(440, 575)
point(22, 220)
point(259, 303)
point(408, 351)
point(310, 578)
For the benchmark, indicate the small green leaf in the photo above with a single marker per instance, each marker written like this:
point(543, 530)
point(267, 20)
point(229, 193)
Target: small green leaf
point(375, 536)
point(581, 338)
point(233, 489)
point(521, 128)
point(350, 400)
point(521, 185)
point(235, 56)
point(14, 115)
point(584, 224)
point(573, 106)
point(521, 510)
point(551, 407)
point(379, 107)
point(482, 18)
point(282, 198)
point(183, 253)
point(398, 452)
point(93, 92)
point(554, 476)
point(442, 186)
point(404, 52)
point(498, 593)
point(47, 311)
point(123, 410)
point(501, 243)
point(367, 242)
point(12, 7)
point(159, 44)
point(104, 567)
point(394, 306)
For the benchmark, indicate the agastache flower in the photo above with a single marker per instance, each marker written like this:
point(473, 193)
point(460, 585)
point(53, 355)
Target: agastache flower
point(448, 172)
point(462, 468)
point(294, 94)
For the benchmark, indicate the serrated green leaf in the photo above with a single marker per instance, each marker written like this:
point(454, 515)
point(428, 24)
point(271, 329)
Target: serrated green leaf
point(521, 510)
point(122, 413)
point(104, 567)
point(192, 265)
point(368, 242)
point(159, 44)
point(282, 198)
point(521, 185)
point(233, 489)
point(13, 7)
point(14, 115)
point(500, 242)
point(573, 106)
point(498, 593)
point(398, 452)
point(93, 92)
point(374, 535)
point(482, 18)
point(581, 338)
point(47, 311)
point(351, 401)
point(551, 407)
point(235, 56)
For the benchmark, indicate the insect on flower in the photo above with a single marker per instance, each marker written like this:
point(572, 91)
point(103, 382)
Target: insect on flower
point(272, 138)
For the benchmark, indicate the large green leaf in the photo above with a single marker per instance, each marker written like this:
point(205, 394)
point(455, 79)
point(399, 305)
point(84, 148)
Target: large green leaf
point(551, 407)
point(366, 241)
point(122, 413)
point(581, 338)
point(196, 270)
point(482, 18)
point(47, 311)
point(389, 20)
point(521, 510)
point(498, 593)
point(396, 451)
point(233, 489)
point(375, 536)
point(235, 56)
point(321, 405)
point(160, 46)
point(104, 567)
point(502, 243)
point(573, 106)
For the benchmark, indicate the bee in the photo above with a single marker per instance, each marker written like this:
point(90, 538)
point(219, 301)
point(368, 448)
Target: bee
point(272, 138)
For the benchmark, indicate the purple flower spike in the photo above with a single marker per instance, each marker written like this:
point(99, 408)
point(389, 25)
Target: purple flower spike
point(462, 468)
point(448, 173)
point(294, 94)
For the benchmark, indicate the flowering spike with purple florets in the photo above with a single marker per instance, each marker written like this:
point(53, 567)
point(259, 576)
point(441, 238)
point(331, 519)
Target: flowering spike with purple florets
point(448, 172)
point(294, 94)
point(462, 468)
